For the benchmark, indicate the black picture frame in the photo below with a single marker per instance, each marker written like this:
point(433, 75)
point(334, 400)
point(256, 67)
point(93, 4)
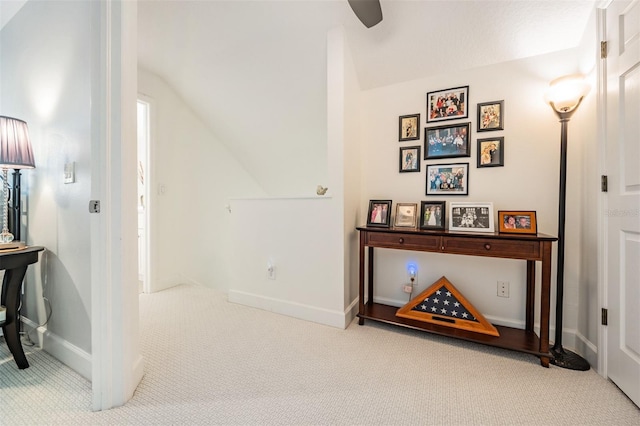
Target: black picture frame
point(409, 127)
point(490, 152)
point(447, 141)
point(433, 215)
point(490, 116)
point(447, 179)
point(448, 104)
point(382, 218)
point(409, 159)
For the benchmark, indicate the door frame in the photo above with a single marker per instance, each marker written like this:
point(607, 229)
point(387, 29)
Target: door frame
point(117, 365)
point(601, 22)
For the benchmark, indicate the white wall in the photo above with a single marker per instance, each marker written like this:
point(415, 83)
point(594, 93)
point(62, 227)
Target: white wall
point(190, 225)
point(309, 241)
point(45, 79)
point(352, 172)
point(528, 180)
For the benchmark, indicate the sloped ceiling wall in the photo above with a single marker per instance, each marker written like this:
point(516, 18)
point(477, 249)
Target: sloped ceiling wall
point(255, 71)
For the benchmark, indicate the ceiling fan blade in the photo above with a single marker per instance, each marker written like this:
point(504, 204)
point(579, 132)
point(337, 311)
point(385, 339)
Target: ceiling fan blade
point(368, 12)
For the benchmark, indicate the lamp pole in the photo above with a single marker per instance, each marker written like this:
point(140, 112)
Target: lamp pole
point(562, 357)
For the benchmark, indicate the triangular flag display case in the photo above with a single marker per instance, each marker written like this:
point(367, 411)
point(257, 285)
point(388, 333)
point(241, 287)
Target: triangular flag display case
point(443, 304)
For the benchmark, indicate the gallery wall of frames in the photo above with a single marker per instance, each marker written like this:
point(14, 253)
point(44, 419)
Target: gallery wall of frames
point(445, 146)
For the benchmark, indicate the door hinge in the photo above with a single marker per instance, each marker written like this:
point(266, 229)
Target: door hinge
point(605, 316)
point(603, 50)
point(604, 183)
point(94, 206)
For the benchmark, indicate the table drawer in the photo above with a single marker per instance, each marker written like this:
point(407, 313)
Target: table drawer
point(404, 241)
point(494, 248)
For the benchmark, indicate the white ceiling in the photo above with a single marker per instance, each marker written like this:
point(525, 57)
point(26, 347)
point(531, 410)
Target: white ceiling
point(255, 71)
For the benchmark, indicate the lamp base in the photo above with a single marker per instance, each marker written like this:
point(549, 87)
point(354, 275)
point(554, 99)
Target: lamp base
point(13, 245)
point(567, 359)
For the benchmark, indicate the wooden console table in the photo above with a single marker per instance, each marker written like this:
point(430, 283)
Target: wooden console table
point(15, 263)
point(531, 248)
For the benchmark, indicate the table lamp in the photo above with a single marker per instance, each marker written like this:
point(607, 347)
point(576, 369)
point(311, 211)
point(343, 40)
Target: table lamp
point(15, 153)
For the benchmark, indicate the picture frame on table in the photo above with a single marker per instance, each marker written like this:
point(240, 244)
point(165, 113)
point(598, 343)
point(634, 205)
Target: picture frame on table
point(490, 152)
point(379, 213)
point(433, 215)
point(517, 222)
point(406, 215)
point(447, 179)
point(409, 159)
point(448, 104)
point(490, 116)
point(409, 127)
point(448, 141)
point(471, 216)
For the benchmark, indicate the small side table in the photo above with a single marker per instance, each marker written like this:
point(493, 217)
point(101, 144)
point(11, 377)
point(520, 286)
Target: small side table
point(15, 263)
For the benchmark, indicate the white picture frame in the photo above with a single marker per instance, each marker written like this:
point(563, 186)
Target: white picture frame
point(471, 217)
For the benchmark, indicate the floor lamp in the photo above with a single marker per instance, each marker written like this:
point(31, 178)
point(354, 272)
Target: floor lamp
point(15, 153)
point(564, 95)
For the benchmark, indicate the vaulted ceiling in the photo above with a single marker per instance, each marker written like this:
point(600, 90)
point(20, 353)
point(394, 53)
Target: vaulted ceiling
point(255, 71)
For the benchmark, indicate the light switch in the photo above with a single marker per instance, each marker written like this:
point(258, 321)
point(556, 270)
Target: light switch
point(70, 172)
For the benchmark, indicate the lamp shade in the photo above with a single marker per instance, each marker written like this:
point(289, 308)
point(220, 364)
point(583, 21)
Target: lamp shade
point(565, 93)
point(15, 146)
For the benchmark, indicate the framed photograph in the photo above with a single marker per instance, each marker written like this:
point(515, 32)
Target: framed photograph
point(491, 116)
point(448, 179)
point(447, 141)
point(449, 104)
point(433, 215)
point(409, 159)
point(471, 216)
point(379, 213)
point(409, 128)
point(406, 215)
point(517, 222)
point(491, 152)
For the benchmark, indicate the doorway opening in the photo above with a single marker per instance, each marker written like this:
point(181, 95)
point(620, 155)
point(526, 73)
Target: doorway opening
point(143, 139)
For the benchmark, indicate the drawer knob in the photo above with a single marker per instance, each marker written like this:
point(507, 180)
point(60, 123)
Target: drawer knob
point(401, 240)
point(487, 246)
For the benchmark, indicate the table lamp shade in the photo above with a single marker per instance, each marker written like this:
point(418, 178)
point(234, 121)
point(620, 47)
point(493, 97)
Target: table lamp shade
point(15, 146)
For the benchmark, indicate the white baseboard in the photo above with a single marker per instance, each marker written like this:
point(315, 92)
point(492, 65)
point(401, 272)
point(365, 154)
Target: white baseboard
point(65, 352)
point(338, 319)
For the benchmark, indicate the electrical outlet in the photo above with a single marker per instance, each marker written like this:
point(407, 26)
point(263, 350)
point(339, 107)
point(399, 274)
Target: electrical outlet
point(503, 288)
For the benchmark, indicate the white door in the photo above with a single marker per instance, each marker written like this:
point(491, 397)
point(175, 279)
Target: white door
point(622, 216)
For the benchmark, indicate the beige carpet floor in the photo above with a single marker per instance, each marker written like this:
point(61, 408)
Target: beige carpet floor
point(212, 362)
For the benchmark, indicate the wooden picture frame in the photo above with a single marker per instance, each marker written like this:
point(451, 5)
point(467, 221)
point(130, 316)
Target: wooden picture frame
point(490, 152)
point(409, 127)
point(448, 104)
point(433, 215)
point(444, 305)
point(517, 222)
point(406, 215)
point(471, 217)
point(447, 179)
point(490, 116)
point(447, 141)
point(379, 213)
point(409, 159)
